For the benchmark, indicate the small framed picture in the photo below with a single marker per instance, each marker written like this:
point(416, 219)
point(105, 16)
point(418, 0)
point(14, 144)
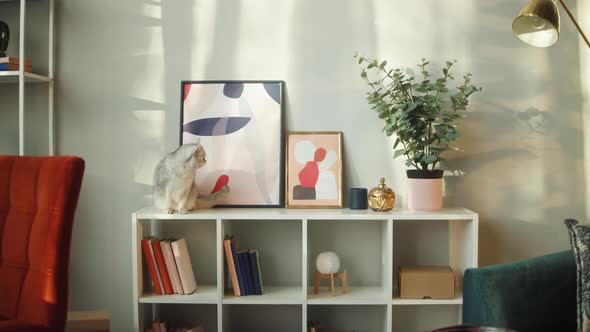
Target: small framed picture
point(240, 126)
point(314, 169)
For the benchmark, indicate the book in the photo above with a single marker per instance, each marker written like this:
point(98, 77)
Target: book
point(13, 66)
point(171, 267)
point(153, 256)
point(259, 272)
point(156, 326)
point(161, 263)
point(151, 263)
point(15, 60)
point(231, 266)
point(184, 266)
point(238, 266)
point(244, 260)
point(253, 260)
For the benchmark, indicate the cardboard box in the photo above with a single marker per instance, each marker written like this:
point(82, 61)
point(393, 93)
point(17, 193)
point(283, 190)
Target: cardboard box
point(87, 321)
point(426, 282)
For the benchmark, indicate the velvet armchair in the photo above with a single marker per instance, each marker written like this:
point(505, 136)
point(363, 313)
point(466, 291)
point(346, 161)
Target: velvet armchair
point(38, 198)
point(532, 295)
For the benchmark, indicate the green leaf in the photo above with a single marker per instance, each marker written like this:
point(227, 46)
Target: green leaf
point(382, 65)
point(429, 159)
point(398, 153)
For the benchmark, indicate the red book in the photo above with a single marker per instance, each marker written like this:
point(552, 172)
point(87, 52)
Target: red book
point(162, 266)
point(145, 245)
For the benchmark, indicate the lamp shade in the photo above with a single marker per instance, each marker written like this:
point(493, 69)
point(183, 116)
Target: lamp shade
point(538, 23)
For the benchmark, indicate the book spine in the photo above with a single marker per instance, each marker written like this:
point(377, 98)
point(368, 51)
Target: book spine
point(239, 270)
point(171, 267)
point(149, 260)
point(161, 263)
point(14, 60)
point(231, 267)
point(12, 66)
point(255, 272)
point(248, 272)
point(259, 272)
point(185, 268)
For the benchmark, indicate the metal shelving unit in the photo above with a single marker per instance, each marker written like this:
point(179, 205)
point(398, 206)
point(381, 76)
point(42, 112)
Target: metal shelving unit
point(21, 77)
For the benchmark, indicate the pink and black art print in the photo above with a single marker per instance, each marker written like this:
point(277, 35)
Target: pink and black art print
point(314, 169)
point(240, 125)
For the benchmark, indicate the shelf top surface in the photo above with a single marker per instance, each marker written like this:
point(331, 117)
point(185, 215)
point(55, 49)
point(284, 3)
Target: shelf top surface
point(13, 77)
point(309, 214)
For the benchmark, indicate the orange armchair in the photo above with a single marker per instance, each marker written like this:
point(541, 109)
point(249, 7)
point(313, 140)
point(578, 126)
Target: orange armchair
point(38, 198)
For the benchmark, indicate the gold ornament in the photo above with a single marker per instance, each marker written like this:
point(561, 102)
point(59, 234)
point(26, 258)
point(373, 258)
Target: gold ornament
point(381, 198)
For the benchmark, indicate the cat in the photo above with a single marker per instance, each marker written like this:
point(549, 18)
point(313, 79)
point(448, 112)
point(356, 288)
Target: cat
point(174, 188)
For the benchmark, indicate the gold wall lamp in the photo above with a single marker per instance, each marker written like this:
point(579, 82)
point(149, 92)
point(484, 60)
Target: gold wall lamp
point(538, 23)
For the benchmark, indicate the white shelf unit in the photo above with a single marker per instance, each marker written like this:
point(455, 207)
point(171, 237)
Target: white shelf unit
point(21, 77)
point(371, 247)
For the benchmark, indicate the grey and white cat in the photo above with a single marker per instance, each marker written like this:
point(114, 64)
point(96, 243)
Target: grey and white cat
point(174, 187)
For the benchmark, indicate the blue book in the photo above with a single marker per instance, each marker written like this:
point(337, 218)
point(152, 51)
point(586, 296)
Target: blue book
point(253, 254)
point(244, 259)
point(12, 67)
point(238, 266)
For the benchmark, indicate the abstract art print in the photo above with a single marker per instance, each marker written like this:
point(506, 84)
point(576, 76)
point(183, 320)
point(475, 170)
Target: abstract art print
point(314, 169)
point(240, 126)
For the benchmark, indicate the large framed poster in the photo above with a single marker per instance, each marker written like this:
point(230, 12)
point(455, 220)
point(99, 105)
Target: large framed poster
point(240, 126)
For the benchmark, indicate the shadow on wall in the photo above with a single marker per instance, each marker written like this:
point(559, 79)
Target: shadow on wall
point(522, 168)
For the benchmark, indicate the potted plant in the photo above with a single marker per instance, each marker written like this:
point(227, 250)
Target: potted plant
point(423, 115)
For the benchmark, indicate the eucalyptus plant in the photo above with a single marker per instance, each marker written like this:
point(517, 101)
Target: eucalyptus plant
point(421, 113)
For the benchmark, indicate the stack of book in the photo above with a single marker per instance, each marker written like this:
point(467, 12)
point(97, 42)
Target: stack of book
point(12, 63)
point(161, 326)
point(169, 265)
point(244, 269)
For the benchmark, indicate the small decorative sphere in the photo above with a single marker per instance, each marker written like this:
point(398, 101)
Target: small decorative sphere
point(327, 263)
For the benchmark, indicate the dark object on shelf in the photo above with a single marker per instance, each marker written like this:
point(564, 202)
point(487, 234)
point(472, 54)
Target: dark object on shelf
point(536, 294)
point(471, 328)
point(4, 38)
point(357, 199)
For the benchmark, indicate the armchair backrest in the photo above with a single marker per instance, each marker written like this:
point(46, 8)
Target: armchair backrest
point(38, 199)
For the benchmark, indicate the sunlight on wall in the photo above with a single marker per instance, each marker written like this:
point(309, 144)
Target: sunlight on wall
point(153, 121)
point(204, 14)
point(148, 90)
point(263, 34)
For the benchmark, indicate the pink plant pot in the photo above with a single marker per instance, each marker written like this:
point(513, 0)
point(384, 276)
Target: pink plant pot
point(425, 191)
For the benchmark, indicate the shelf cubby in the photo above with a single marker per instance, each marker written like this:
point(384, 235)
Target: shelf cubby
point(434, 242)
point(350, 318)
point(423, 317)
point(182, 315)
point(279, 245)
point(365, 265)
point(262, 318)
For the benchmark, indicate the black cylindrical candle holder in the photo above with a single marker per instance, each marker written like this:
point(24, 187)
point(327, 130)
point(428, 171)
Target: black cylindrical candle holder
point(357, 199)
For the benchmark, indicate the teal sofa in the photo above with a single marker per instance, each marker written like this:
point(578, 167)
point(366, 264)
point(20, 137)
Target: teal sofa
point(533, 295)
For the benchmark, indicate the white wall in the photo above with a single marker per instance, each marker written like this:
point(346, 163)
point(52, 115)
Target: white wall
point(120, 63)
